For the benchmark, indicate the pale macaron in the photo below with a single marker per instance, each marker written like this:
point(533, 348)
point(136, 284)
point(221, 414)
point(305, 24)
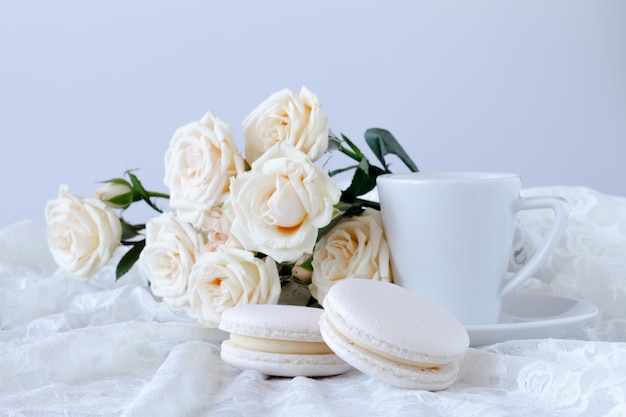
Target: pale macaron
point(393, 334)
point(278, 340)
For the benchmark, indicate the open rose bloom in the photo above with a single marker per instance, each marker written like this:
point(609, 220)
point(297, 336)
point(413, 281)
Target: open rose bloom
point(283, 117)
point(172, 248)
point(355, 247)
point(279, 205)
point(201, 160)
point(224, 279)
point(83, 233)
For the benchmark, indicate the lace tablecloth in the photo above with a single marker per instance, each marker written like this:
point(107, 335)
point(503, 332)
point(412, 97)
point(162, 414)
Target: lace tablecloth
point(106, 348)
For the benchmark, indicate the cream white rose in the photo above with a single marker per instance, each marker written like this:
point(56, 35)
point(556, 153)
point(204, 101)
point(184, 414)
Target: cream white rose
point(172, 248)
point(355, 247)
point(201, 159)
point(279, 205)
point(223, 279)
point(83, 233)
point(283, 117)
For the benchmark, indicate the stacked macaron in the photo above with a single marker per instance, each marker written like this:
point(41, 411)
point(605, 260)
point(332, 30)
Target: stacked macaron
point(279, 340)
point(378, 328)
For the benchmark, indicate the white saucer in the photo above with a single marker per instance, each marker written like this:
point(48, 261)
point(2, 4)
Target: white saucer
point(532, 316)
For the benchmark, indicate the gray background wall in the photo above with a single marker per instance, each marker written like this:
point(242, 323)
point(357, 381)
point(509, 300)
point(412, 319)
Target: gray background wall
point(89, 89)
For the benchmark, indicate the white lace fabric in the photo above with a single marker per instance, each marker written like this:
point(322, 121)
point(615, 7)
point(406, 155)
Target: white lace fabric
point(106, 348)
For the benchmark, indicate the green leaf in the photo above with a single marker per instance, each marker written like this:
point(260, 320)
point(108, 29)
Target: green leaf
point(129, 259)
point(121, 200)
point(382, 142)
point(130, 231)
point(354, 152)
point(363, 181)
point(308, 264)
point(137, 186)
point(141, 192)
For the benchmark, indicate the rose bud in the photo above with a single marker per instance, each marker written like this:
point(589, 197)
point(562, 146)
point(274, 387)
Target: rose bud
point(118, 194)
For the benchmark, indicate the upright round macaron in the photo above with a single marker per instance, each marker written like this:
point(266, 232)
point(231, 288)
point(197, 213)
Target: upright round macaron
point(393, 334)
point(278, 340)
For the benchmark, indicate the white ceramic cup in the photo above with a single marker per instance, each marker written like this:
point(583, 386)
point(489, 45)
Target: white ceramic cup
point(451, 237)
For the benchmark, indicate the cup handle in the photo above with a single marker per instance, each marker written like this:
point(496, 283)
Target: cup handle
point(560, 207)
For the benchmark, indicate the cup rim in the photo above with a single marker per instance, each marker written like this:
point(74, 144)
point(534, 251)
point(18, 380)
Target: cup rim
point(443, 176)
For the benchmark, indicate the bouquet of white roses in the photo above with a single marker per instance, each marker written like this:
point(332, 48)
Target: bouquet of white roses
point(273, 227)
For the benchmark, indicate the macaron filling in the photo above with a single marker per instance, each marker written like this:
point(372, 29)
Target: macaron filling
point(294, 347)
